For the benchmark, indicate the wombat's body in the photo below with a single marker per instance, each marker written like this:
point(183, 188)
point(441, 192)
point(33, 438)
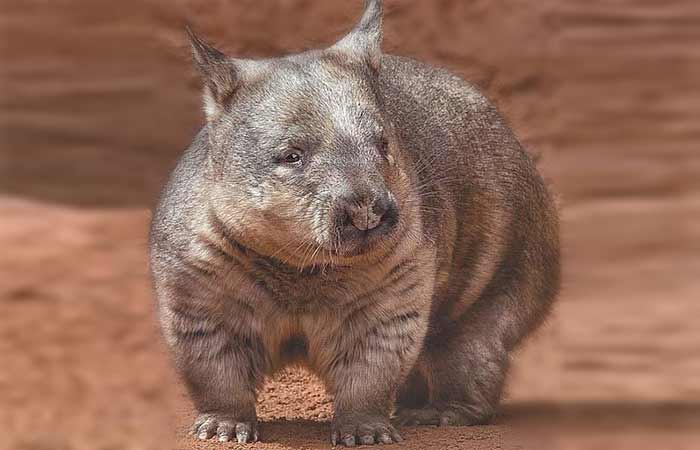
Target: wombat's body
point(418, 317)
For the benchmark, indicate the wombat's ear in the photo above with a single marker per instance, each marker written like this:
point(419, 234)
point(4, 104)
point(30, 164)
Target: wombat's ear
point(220, 75)
point(365, 40)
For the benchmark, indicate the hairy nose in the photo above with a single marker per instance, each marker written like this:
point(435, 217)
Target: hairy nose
point(367, 213)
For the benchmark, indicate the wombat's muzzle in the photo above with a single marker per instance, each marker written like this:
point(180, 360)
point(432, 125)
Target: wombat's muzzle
point(365, 217)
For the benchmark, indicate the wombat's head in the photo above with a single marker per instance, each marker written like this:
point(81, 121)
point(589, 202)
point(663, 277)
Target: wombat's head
point(303, 161)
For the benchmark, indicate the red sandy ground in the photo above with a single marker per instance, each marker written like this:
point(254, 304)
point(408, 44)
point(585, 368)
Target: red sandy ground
point(97, 99)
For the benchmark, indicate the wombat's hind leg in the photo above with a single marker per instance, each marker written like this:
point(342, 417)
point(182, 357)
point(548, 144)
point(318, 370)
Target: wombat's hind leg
point(468, 378)
point(468, 363)
point(466, 390)
point(412, 402)
point(414, 391)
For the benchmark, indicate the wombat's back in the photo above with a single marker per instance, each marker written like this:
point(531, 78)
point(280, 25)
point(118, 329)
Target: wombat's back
point(483, 202)
point(449, 127)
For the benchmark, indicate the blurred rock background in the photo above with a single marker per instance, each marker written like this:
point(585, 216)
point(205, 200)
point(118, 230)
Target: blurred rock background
point(98, 99)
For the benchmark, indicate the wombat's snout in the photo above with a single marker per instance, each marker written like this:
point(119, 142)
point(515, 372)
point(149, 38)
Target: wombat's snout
point(363, 216)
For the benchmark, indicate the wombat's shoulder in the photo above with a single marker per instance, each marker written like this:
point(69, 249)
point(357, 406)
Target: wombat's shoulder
point(432, 104)
point(454, 132)
point(429, 87)
point(179, 201)
point(439, 114)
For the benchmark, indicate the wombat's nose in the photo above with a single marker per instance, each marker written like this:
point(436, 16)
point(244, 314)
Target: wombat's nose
point(366, 216)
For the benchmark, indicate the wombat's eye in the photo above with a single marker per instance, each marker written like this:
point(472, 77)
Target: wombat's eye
point(293, 156)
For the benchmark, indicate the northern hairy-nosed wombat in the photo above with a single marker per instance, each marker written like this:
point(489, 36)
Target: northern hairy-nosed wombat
point(365, 215)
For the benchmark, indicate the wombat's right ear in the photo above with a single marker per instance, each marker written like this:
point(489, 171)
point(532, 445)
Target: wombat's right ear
point(220, 76)
point(365, 40)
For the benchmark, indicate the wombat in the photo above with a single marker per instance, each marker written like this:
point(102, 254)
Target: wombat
point(367, 216)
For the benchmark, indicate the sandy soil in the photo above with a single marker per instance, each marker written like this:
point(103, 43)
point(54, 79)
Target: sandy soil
point(97, 99)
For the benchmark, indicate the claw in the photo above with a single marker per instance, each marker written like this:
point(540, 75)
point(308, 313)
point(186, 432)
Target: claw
point(203, 436)
point(243, 433)
point(225, 428)
point(366, 440)
point(371, 431)
point(349, 441)
point(385, 439)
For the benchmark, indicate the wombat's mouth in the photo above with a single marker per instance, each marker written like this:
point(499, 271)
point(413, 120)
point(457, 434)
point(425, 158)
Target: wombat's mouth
point(353, 241)
point(362, 222)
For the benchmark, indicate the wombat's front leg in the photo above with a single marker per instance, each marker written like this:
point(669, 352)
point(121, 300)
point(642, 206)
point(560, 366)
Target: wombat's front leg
point(365, 374)
point(221, 368)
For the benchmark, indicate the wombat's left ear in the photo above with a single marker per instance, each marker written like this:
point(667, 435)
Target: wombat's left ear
point(365, 40)
point(220, 75)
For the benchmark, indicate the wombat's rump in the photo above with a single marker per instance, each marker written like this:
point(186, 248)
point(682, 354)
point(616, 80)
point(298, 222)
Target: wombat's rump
point(367, 216)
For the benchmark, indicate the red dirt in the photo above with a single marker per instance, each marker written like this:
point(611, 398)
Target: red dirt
point(97, 99)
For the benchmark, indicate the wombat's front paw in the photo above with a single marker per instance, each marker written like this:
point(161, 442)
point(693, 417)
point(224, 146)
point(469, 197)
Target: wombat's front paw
point(225, 428)
point(365, 430)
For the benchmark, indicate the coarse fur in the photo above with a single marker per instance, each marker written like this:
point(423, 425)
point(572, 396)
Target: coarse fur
point(367, 216)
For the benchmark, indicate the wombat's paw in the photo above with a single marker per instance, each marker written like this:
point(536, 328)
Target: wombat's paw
point(452, 414)
point(363, 431)
point(464, 415)
point(224, 428)
point(413, 417)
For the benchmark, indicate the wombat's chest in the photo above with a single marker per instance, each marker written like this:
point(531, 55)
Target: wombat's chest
point(312, 292)
point(312, 339)
point(303, 316)
point(330, 290)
